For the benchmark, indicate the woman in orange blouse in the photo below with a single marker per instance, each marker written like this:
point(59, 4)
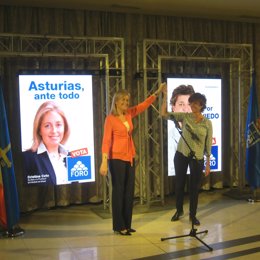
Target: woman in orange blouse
point(118, 151)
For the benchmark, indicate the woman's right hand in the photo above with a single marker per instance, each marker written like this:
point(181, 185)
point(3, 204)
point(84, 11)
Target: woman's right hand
point(103, 169)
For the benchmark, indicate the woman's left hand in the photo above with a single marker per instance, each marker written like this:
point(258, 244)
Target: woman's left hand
point(162, 87)
point(207, 169)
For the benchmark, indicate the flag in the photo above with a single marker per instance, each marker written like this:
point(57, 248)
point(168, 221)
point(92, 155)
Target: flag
point(9, 206)
point(252, 170)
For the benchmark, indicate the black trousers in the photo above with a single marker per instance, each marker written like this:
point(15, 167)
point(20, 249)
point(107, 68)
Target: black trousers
point(181, 164)
point(123, 183)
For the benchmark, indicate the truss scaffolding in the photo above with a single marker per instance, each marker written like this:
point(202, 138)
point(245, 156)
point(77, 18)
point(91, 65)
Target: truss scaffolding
point(107, 51)
point(151, 58)
point(153, 54)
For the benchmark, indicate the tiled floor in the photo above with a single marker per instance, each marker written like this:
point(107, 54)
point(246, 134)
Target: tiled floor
point(77, 232)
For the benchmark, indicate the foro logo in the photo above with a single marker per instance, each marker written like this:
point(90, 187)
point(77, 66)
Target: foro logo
point(79, 170)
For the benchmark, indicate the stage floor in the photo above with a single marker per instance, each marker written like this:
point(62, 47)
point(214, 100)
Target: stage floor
point(85, 232)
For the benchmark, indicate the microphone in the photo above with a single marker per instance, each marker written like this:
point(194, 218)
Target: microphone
point(177, 125)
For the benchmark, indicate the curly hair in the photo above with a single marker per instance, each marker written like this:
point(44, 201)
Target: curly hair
point(198, 97)
point(181, 90)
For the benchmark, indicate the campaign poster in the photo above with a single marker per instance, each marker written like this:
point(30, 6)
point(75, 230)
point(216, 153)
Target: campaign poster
point(57, 137)
point(211, 88)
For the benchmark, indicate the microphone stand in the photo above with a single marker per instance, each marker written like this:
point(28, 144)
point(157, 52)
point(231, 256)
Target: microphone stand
point(193, 231)
point(177, 125)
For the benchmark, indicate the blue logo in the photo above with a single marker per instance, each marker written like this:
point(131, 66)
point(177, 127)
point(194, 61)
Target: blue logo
point(79, 168)
point(253, 135)
point(213, 158)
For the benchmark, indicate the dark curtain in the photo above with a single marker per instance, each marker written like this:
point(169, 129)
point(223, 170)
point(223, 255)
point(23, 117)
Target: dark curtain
point(134, 28)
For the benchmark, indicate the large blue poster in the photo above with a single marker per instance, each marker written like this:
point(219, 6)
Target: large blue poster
point(57, 135)
point(211, 88)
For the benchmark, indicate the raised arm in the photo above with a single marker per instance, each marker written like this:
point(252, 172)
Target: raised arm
point(136, 110)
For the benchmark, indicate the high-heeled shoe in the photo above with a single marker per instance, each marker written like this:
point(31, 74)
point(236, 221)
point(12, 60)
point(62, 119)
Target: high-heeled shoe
point(123, 233)
point(177, 215)
point(131, 230)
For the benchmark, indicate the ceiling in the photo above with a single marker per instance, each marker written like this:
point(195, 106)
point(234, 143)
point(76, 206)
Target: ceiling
point(235, 10)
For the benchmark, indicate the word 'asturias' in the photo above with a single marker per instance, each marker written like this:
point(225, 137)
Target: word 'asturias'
point(54, 86)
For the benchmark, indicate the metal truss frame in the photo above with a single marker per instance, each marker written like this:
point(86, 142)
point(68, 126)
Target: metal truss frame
point(108, 51)
point(154, 54)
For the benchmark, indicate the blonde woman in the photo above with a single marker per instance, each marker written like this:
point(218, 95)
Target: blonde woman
point(118, 152)
point(46, 157)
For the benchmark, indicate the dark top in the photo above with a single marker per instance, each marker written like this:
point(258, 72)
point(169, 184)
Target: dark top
point(38, 168)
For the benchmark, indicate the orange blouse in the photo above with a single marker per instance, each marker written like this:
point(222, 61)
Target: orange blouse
point(117, 140)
